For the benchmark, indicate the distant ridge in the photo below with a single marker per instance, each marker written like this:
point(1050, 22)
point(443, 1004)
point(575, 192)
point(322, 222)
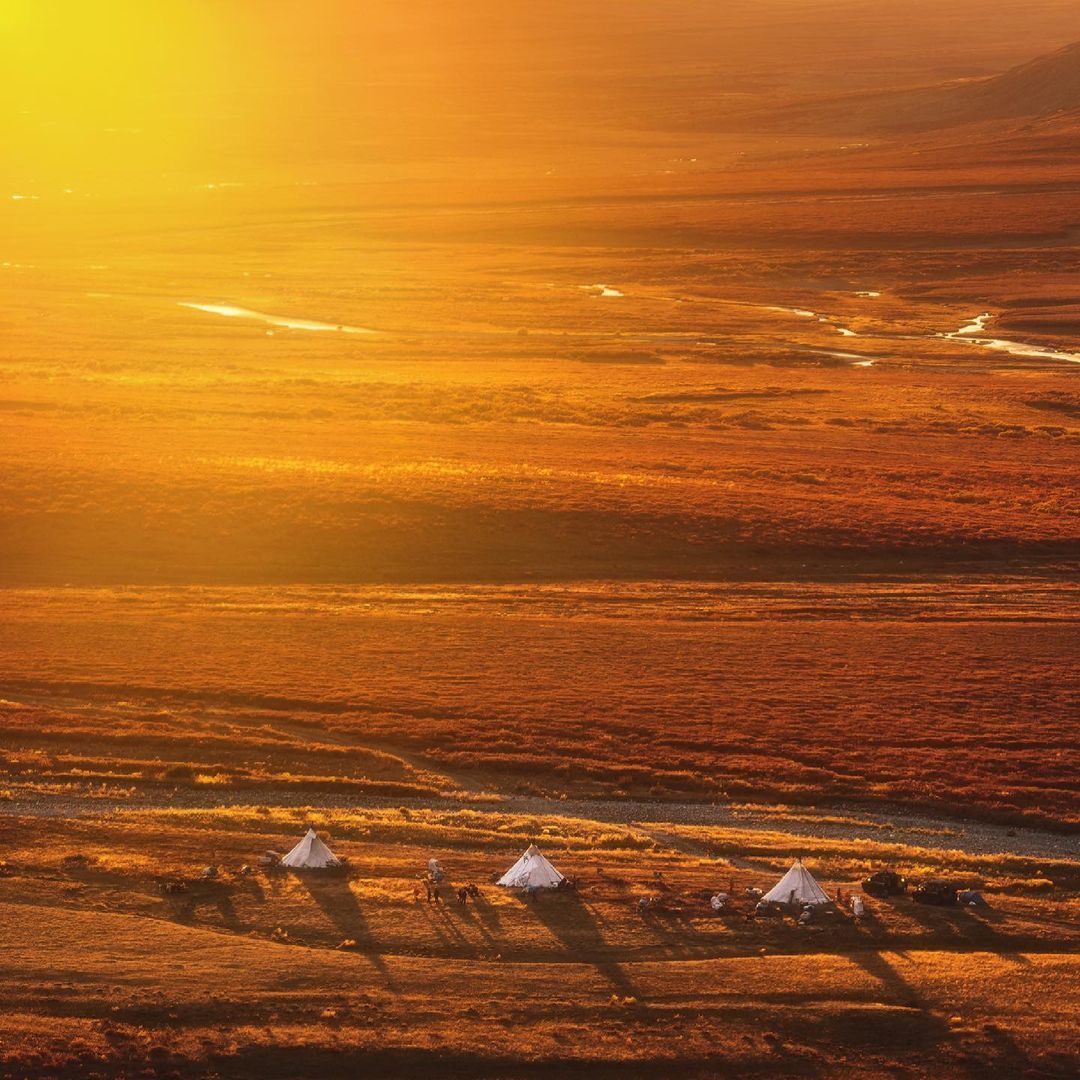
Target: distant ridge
point(1048, 84)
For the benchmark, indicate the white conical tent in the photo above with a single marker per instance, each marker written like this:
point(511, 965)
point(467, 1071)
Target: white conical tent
point(310, 854)
point(797, 886)
point(532, 871)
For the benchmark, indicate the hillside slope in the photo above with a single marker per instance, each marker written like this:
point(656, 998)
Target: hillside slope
point(1045, 85)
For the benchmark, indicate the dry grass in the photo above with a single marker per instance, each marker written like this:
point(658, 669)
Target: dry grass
point(957, 698)
point(671, 542)
point(280, 975)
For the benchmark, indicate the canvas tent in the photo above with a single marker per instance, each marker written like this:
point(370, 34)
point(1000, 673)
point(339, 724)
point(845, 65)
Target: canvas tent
point(797, 886)
point(310, 854)
point(532, 871)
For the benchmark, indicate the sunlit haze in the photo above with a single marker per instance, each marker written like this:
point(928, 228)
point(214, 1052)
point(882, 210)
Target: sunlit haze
point(645, 429)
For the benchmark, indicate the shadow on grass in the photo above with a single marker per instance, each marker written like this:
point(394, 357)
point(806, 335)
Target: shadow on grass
point(672, 925)
point(968, 928)
point(898, 990)
point(446, 928)
point(919, 1028)
point(227, 911)
point(478, 914)
point(1012, 1060)
point(184, 907)
point(338, 902)
point(487, 914)
point(252, 887)
point(570, 920)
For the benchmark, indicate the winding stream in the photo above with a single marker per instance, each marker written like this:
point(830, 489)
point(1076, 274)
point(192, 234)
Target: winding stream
point(971, 333)
point(1014, 348)
point(286, 322)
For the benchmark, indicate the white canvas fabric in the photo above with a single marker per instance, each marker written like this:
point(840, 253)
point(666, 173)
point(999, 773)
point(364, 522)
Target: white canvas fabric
point(310, 854)
point(531, 871)
point(797, 884)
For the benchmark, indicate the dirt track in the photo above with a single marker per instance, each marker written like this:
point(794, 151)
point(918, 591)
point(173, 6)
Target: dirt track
point(847, 823)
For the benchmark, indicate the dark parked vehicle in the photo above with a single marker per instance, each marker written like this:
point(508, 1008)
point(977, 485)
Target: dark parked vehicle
point(935, 892)
point(884, 883)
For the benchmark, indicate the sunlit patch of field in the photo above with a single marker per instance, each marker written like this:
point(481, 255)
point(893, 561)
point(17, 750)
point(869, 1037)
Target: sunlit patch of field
point(288, 974)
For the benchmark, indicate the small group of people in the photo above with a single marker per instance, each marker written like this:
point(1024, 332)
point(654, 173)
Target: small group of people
point(431, 891)
point(431, 880)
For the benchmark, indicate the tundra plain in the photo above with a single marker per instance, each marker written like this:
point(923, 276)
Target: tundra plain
point(645, 429)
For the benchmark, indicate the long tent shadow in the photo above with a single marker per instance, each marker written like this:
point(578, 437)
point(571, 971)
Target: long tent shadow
point(923, 1026)
point(573, 924)
point(1007, 1056)
point(1012, 1060)
point(899, 989)
point(338, 902)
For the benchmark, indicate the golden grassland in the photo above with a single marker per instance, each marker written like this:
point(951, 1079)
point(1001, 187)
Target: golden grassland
point(506, 419)
point(463, 405)
point(324, 973)
point(955, 697)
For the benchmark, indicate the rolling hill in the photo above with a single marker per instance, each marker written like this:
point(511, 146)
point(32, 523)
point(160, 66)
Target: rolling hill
point(1040, 87)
